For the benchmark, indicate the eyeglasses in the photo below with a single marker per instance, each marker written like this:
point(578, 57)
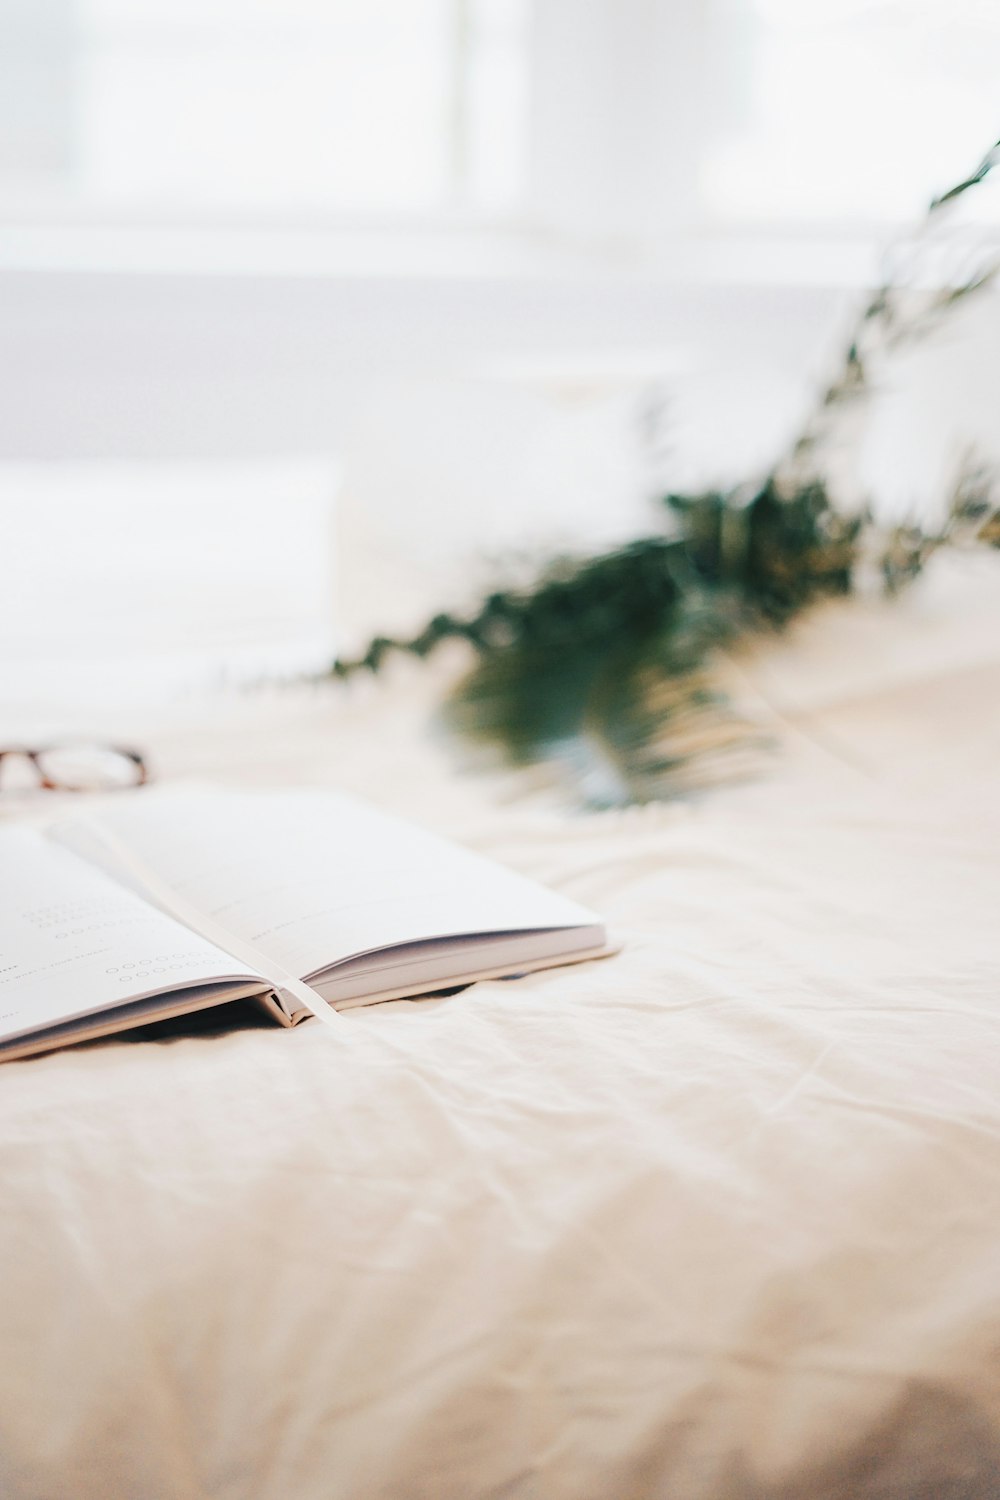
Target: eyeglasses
point(71, 768)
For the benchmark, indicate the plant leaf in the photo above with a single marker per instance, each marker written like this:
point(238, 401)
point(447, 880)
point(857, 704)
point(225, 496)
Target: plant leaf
point(626, 720)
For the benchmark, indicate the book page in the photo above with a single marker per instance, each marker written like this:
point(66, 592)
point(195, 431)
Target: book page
point(312, 878)
point(73, 942)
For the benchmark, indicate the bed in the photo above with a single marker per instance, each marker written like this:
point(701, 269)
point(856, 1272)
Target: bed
point(718, 1218)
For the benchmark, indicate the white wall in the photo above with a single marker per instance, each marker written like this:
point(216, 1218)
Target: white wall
point(466, 410)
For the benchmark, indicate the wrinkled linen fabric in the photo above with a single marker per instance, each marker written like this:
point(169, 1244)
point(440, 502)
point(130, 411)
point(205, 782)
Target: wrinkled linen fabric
point(714, 1219)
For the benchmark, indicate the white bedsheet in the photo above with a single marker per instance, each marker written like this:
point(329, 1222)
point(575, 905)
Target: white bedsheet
point(716, 1218)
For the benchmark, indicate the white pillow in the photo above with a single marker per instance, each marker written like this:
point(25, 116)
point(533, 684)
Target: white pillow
point(163, 573)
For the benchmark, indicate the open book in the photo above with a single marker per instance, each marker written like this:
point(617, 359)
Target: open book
point(175, 900)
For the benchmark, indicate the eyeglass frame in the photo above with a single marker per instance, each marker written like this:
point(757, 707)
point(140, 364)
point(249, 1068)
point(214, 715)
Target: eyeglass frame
point(32, 753)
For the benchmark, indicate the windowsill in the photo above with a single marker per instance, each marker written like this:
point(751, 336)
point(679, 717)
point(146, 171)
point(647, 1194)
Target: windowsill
point(721, 256)
point(389, 252)
point(737, 256)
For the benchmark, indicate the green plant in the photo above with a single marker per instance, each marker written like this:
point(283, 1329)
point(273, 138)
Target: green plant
point(604, 665)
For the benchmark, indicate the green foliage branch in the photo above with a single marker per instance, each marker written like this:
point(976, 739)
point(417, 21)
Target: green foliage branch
point(604, 664)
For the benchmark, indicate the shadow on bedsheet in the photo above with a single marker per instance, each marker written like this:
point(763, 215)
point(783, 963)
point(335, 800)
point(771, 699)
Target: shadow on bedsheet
point(217, 1020)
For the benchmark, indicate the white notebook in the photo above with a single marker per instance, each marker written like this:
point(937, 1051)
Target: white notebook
point(171, 901)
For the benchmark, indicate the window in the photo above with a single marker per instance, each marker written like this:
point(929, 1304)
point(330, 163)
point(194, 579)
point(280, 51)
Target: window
point(847, 112)
point(264, 109)
point(617, 122)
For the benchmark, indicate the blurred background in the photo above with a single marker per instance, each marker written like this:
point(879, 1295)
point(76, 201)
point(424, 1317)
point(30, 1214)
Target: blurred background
point(313, 310)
